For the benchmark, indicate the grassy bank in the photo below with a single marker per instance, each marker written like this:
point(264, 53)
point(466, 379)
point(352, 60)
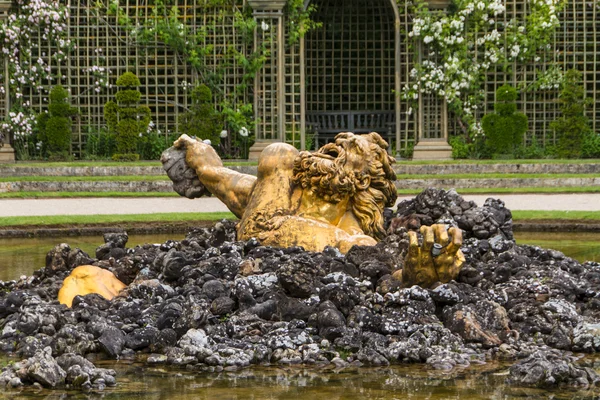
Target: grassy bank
point(403, 192)
point(75, 220)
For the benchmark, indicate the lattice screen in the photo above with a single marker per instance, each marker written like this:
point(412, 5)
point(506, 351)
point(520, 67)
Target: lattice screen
point(576, 45)
point(266, 87)
point(349, 64)
point(350, 61)
point(164, 77)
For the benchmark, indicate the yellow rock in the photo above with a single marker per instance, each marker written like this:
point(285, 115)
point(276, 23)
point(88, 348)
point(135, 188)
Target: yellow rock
point(87, 279)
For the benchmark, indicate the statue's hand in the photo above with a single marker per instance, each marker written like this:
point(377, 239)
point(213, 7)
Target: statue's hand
point(198, 153)
point(438, 259)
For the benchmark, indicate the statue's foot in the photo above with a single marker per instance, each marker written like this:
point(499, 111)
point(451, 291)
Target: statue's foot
point(88, 279)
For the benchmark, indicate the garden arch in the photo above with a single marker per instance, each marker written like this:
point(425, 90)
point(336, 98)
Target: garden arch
point(351, 69)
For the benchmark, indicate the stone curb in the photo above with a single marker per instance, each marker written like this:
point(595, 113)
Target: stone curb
point(404, 169)
point(167, 187)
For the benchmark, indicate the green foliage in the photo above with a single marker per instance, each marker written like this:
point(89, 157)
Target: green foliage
point(505, 128)
point(152, 145)
point(55, 127)
point(572, 127)
point(299, 21)
point(408, 152)
point(128, 96)
point(126, 157)
point(591, 145)
point(201, 119)
point(99, 145)
point(533, 151)
point(126, 119)
point(128, 80)
point(460, 148)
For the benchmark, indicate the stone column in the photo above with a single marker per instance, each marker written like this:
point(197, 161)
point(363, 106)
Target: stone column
point(7, 153)
point(269, 112)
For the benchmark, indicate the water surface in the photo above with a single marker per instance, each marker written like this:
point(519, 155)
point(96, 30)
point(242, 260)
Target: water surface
point(415, 381)
point(22, 256)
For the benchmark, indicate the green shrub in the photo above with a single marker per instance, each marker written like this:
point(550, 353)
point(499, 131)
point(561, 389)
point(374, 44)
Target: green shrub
point(100, 144)
point(152, 145)
point(126, 157)
point(591, 145)
point(126, 118)
point(55, 126)
point(408, 152)
point(201, 120)
point(504, 129)
point(460, 148)
point(532, 152)
point(572, 127)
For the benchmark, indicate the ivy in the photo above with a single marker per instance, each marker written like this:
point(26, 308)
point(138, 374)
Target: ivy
point(29, 19)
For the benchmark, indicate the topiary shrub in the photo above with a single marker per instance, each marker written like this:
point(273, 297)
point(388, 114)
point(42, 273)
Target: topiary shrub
point(572, 127)
point(126, 118)
point(504, 129)
point(55, 125)
point(201, 120)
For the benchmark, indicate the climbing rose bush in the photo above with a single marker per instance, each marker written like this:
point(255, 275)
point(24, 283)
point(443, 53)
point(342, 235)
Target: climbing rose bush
point(464, 44)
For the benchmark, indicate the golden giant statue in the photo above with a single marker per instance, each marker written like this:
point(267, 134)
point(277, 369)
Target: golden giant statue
point(333, 197)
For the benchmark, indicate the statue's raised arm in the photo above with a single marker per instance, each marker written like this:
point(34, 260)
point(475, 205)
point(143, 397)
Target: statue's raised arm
point(333, 197)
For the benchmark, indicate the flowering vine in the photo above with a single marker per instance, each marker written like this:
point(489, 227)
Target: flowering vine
point(29, 65)
point(460, 46)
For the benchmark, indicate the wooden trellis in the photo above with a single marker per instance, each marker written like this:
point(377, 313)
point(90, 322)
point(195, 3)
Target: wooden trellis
point(353, 63)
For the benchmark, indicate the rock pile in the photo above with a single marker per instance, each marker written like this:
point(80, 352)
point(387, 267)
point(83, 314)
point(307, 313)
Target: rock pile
point(209, 303)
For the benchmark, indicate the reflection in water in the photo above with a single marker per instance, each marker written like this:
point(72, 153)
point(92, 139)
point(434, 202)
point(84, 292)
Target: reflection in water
point(22, 256)
point(317, 383)
point(580, 246)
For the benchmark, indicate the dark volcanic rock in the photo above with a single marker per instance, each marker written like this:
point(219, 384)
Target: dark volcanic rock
point(551, 368)
point(210, 302)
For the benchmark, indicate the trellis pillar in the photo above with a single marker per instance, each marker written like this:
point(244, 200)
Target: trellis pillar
point(269, 112)
point(7, 153)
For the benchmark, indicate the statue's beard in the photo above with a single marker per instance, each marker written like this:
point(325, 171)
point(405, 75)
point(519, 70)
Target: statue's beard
point(324, 175)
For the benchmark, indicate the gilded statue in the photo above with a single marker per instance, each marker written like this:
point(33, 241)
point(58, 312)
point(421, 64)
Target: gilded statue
point(332, 197)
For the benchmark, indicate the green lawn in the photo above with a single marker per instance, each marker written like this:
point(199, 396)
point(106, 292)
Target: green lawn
point(73, 220)
point(494, 176)
point(405, 192)
point(556, 215)
point(44, 164)
point(84, 178)
point(543, 161)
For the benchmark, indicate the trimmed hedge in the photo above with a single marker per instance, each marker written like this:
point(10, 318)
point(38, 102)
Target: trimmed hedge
point(505, 128)
point(55, 126)
point(126, 118)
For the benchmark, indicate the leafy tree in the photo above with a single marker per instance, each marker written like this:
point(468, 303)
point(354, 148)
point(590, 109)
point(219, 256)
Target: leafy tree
point(55, 126)
point(504, 129)
point(126, 118)
point(572, 127)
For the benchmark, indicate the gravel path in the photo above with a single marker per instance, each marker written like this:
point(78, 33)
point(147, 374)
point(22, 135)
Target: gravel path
point(97, 206)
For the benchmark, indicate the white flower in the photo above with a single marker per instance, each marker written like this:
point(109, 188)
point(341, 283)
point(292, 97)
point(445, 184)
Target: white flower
point(223, 134)
point(243, 132)
point(264, 26)
point(207, 141)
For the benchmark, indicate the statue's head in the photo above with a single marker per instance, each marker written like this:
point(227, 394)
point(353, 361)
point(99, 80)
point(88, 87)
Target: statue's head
point(354, 167)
